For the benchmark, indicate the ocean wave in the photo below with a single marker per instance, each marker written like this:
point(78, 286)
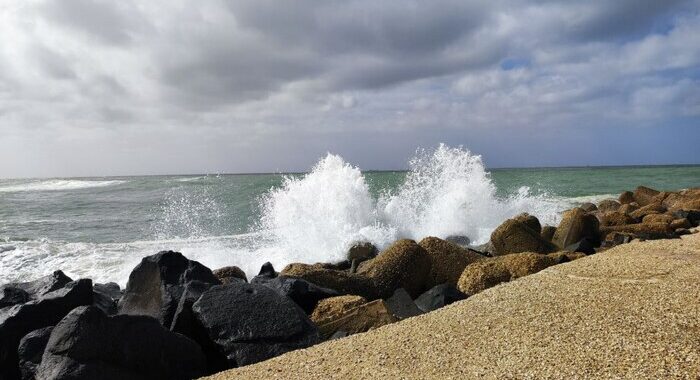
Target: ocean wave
point(57, 185)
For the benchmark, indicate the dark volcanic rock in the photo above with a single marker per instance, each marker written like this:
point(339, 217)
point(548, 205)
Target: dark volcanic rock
point(87, 344)
point(9, 295)
point(106, 296)
point(155, 286)
point(31, 348)
point(302, 292)
point(17, 321)
point(183, 321)
point(267, 270)
point(249, 323)
point(42, 285)
point(401, 305)
point(439, 296)
point(110, 289)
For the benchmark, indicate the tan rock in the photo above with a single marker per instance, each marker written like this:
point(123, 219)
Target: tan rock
point(227, 274)
point(575, 225)
point(608, 205)
point(447, 260)
point(626, 197)
point(643, 230)
point(359, 319)
point(680, 223)
point(688, 200)
point(657, 218)
point(333, 308)
point(628, 208)
point(653, 208)
point(405, 264)
point(644, 195)
point(615, 218)
point(514, 237)
point(341, 281)
point(529, 220)
point(548, 232)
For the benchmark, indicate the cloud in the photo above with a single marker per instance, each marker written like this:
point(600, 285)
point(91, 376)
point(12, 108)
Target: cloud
point(106, 88)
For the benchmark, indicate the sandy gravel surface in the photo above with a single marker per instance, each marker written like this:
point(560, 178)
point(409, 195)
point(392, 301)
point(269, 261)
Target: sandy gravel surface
point(631, 312)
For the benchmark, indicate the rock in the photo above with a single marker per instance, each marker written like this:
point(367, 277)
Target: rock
point(249, 323)
point(461, 240)
point(267, 270)
point(401, 305)
point(530, 221)
point(562, 257)
point(617, 238)
point(405, 264)
point(338, 335)
point(682, 201)
point(87, 344)
point(628, 208)
point(155, 286)
point(642, 230)
point(626, 197)
point(653, 208)
point(362, 251)
point(333, 308)
point(110, 289)
point(47, 310)
point(10, 295)
point(574, 226)
point(485, 274)
point(693, 216)
point(439, 296)
point(585, 245)
point(485, 249)
point(184, 321)
point(104, 303)
point(228, 274)
point(447, 260)
point(514, 237)
point(360, 319)
point(42, 285)
point(680, 223)
point(608, 205)
point(548, 233)
point(588, 207)
point(682, 231)
point(302, 292)
point(30, 350)
point(615, 218)
point(340, 281)
point(644, 195)
point(657, 218)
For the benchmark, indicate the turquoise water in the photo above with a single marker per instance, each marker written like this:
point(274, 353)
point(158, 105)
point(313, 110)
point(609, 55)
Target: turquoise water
point(100, 227)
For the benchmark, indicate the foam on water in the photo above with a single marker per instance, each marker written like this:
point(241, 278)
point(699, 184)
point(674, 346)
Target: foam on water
point(57, 185)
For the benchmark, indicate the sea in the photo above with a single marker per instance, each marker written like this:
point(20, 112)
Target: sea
point(101, 227)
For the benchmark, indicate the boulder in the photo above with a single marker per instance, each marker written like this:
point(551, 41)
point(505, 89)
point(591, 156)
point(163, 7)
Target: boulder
point(30, 350)
point(616, 238)
point(155, 286)
point(530, 221)
point(548, 233)
point(405, 264)
point(562, 257)
point(628, 208)
point(447, 260)
point(439, 296)
point(333, 308)
point(41, 286)
point(588, 207)
point(362, 251)
point(88, 344)
point(642, 230)
point(657, 218)
point(644, 195)
point(249, 323)
point(576, 225)
point(110, 289)
point(401, 305)
point(183, 319)
point(228, 274)
point(514, 237)
point(10, 295)
point(615, 218)
point(680, 223)
point(652, 208)
point(302, 292)
point(267, 270)
point(626, 197)
point(340, 281)
point(461, 240)
point(106, 296)
point(682, 201)
point(360, 319)
point(585, 245)
point(485, 274)
point(693, 216)
point(47, 310)
point(608, 205)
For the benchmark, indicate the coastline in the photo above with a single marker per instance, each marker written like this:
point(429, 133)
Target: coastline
point(629, 312)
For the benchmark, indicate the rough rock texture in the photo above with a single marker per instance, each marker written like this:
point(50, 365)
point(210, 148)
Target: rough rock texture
point(405, 264)
point(17, 321)
point(487, 273)
point(530, 221)
point(249, 323)
point(460, 240)
point(10, 295)
point(334, 307)
point(447, 260)
point(360, 319)
point(340, 281)
point(644, 195)
point(588, 207)
point(626, 197)
point(628, 313)
point(21, 292)
point(657, 218)
point(575, 225)
point(685, 200)
point(439, 296)
point(302, 292)
point(228, 274)
point(628, 208)
point(641, 230)
point(362, 251)
point(401, 305)
point(585, 245)
point(652, 208)
point(615, 218)
point(31, 349)
point(514, 237)
point(87, 344)
point(183, 320)
point(608, 205)
point(548, 233)
point(155, 286)
point(680, 223)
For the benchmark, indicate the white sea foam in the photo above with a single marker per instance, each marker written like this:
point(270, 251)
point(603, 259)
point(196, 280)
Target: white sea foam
point(57, 185)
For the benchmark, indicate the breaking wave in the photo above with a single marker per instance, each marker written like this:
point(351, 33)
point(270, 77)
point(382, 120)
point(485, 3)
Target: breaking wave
point(57, 185)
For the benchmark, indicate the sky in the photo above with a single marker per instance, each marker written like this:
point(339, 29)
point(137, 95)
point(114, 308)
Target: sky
point(92, 88)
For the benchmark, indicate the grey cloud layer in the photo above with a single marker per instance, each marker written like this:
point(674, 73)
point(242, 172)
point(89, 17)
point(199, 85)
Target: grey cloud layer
point(223, 81)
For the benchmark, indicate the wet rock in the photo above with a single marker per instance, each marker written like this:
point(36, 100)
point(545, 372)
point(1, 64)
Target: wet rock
point(17, 321)
point(155, 286)
point(548, 233)
point(401, 305)
point(608, 205)
point(10, 295)
point(644, 195)
point(229, 274)
point(460, 240)
point(249, 323)
point(360, 319)
point(514, 237)
point(302, 292)
point(529, 220)
point(626, 197)
point(362, 251)
point(576, 225)
point(340, 281)
point(439, 296)
point(447, 260)
point(30, 350)
point(87, 344)
point(404, 264)
point(333, 308)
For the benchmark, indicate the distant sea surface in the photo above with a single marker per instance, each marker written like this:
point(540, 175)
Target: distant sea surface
point(101, 227)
